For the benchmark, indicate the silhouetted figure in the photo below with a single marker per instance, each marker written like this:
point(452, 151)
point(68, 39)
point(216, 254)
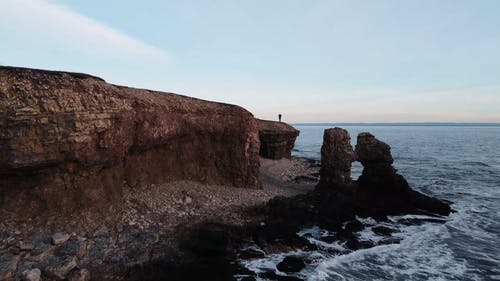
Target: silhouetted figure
point(279, 117)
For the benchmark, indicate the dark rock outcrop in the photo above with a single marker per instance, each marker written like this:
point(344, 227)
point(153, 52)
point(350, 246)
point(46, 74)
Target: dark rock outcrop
point(70, 140)
point(336, 157)
point(376, 158)
point(387, 191)
point(276, 139)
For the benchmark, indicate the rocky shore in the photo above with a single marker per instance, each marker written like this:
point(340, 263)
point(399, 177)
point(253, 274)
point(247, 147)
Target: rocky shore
point(217, 251)
point(103, 182)
point(149, 227)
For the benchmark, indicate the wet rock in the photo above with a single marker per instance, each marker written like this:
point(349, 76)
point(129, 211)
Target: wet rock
point(276, 139)
point(291, 264)
point(79, 275)
point(248, 278)
point(270, 275)
point(336, 157)
point(60, 238)
point(354, 226)
point(251, 253)
point(382, 230)
point(62, 268)
point(31, 275)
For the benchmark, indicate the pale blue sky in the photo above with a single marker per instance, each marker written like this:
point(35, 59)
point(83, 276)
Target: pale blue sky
point(312, 61)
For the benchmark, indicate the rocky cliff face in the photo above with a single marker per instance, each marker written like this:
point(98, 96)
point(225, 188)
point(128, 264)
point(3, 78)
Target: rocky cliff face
point(276, 139)
point(336, 157)
point(70, 139)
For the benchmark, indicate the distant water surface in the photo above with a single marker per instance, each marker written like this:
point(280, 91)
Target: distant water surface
point(456, 163)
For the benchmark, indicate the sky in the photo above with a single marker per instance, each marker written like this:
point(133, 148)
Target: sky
point(311, 61)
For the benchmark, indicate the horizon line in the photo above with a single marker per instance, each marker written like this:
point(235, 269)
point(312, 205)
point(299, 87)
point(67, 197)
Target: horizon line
point(400, 123)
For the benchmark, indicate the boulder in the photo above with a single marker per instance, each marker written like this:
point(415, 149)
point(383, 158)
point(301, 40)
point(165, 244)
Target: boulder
point(70, 140)
point(291, 264)
point(31, 275)
point(62, 268)
point(79, 275)
point(276, 139)
point(336, 157)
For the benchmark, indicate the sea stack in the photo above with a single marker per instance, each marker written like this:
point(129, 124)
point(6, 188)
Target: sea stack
point(276, 139)
point(376, 158)
point(336, 157)
point(386, 191)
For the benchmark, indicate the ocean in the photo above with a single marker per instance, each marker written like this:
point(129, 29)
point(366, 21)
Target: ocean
point(456, 163)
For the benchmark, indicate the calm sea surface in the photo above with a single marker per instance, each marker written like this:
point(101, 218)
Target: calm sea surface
point(460, 164)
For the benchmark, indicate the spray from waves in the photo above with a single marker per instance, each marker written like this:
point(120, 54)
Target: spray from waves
point(420, 255)
point(412, 252)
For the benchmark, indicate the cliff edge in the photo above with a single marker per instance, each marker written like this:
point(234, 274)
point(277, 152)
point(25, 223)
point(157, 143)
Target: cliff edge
point(72, 140)
point(276, 139)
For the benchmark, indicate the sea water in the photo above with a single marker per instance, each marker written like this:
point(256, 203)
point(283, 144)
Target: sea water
point(456, 163)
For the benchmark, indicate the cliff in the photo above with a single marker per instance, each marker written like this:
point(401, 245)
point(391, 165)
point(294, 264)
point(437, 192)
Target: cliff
point(70, 139)
point(276, 139)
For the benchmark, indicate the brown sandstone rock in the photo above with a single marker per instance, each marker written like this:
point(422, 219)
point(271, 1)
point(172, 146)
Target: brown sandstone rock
point(370, 150)
point(376, 158)
point(386, 190)
point(336, 157)
point(71, 140)
point(276, 139)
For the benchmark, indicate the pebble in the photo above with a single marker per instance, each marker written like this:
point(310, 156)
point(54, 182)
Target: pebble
point(31, 275)
point(79, 275)
point(59, 238)
point(25, 246)
point(62, 269)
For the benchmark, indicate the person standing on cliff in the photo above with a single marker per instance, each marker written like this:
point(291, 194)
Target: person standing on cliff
point(279, 117)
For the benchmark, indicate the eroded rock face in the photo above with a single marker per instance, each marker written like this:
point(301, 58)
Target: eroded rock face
point(380, 190)
point(376, 158)
point(276, 139)
point(70, 140)
point(384, 190)
point(336, 157)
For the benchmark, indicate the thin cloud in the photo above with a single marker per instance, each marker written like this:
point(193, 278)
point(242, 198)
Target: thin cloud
point(50, 23)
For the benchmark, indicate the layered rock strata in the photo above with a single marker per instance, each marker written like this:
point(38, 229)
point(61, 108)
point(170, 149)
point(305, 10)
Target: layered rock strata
point(69, 140)
point(276, 139)
point(336, 157)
